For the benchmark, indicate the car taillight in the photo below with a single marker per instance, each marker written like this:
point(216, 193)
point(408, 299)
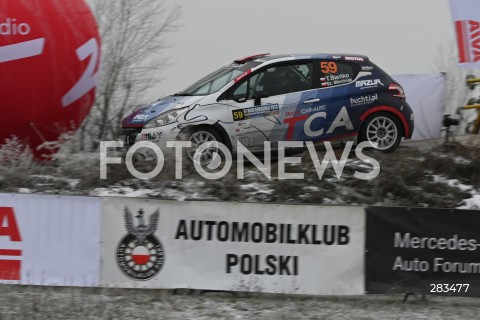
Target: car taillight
point(398, 90)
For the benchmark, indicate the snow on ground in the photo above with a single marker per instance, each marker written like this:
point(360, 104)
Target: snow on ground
point(473, 203)
point(415, 176)
point(124, 192)
point(26, 302)
point(461, 160)
point(455, 183)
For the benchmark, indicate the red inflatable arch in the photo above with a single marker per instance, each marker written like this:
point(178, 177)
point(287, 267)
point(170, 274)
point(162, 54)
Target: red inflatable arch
point(49, 68)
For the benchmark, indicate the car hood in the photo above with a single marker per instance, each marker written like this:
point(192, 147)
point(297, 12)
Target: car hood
point(145, 113)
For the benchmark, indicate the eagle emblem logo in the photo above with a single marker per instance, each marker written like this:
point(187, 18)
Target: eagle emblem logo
point(140, 254)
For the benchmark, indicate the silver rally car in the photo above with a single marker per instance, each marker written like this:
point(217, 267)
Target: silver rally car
point(301, 97)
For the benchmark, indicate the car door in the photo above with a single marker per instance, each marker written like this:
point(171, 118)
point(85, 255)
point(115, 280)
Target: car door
point(260, 104)
point(336, 86)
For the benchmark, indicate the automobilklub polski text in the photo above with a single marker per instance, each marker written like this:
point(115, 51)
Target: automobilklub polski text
point(214, 171)
point(255, 232)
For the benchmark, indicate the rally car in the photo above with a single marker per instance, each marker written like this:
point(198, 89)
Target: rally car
point(298, 97)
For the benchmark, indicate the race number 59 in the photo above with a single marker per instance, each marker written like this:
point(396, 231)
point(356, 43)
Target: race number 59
point(238, 115)
point(328, 67)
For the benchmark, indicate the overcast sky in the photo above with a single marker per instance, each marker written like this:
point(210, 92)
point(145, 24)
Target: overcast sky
point(402, 37)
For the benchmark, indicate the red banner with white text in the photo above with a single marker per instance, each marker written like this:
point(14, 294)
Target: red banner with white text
point(466, 19)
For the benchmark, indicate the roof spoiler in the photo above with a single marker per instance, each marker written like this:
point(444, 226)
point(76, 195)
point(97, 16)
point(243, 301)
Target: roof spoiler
point(252, 57)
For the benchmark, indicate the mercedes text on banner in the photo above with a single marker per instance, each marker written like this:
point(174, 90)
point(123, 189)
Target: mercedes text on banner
point(425, 250)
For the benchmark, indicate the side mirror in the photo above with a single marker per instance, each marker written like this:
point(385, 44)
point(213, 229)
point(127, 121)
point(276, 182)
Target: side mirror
point(259, 97)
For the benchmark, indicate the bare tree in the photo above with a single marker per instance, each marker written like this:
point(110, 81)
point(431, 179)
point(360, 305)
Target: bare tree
point(134, 40)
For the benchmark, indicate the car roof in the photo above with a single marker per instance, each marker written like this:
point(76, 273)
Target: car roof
point(298, 56)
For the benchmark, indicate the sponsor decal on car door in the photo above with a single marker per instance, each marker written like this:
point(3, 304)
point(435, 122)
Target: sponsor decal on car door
point(252, 123)
point(323, 114)
point(260, 104)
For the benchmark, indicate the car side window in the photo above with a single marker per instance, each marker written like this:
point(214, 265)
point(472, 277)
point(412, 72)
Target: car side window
point(240, 94)
point(334, 73)
point(276, 80)
point(283, 79)
point(245, 89)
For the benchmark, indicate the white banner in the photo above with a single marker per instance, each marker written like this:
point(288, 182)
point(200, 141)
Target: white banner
point(466, 19)
point(426, 96)
point(233, 246)
point(49, 240)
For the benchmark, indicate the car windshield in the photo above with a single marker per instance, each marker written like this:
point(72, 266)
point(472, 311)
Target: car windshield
point(217, 79)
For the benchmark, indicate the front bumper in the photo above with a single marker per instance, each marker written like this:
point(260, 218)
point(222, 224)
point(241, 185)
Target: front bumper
point(159, 136)
point(128, 136)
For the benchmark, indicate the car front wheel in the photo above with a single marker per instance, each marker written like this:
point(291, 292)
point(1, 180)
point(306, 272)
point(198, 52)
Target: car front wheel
point(201, 136)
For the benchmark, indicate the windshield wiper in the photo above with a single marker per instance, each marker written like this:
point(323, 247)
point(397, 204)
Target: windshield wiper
point(182, 94)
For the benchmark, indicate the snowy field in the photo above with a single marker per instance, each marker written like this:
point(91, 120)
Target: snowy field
point(24, 302)
point(426, 174)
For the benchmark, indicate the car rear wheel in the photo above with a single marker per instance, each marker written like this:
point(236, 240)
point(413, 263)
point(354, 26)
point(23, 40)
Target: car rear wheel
point(384, 129)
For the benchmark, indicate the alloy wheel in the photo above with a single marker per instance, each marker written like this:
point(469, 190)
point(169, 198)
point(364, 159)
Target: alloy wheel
point(197, 139)
point(382, 130)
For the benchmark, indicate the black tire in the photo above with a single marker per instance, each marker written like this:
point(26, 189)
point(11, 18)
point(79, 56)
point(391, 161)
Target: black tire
point(383, 128)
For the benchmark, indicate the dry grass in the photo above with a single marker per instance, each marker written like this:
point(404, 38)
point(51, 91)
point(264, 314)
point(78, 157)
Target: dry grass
point(407, 178)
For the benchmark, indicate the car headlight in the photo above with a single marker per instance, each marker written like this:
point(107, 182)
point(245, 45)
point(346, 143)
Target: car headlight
point(165, 118)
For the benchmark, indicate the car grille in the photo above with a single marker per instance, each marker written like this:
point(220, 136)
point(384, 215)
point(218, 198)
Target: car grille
point(128, 135)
